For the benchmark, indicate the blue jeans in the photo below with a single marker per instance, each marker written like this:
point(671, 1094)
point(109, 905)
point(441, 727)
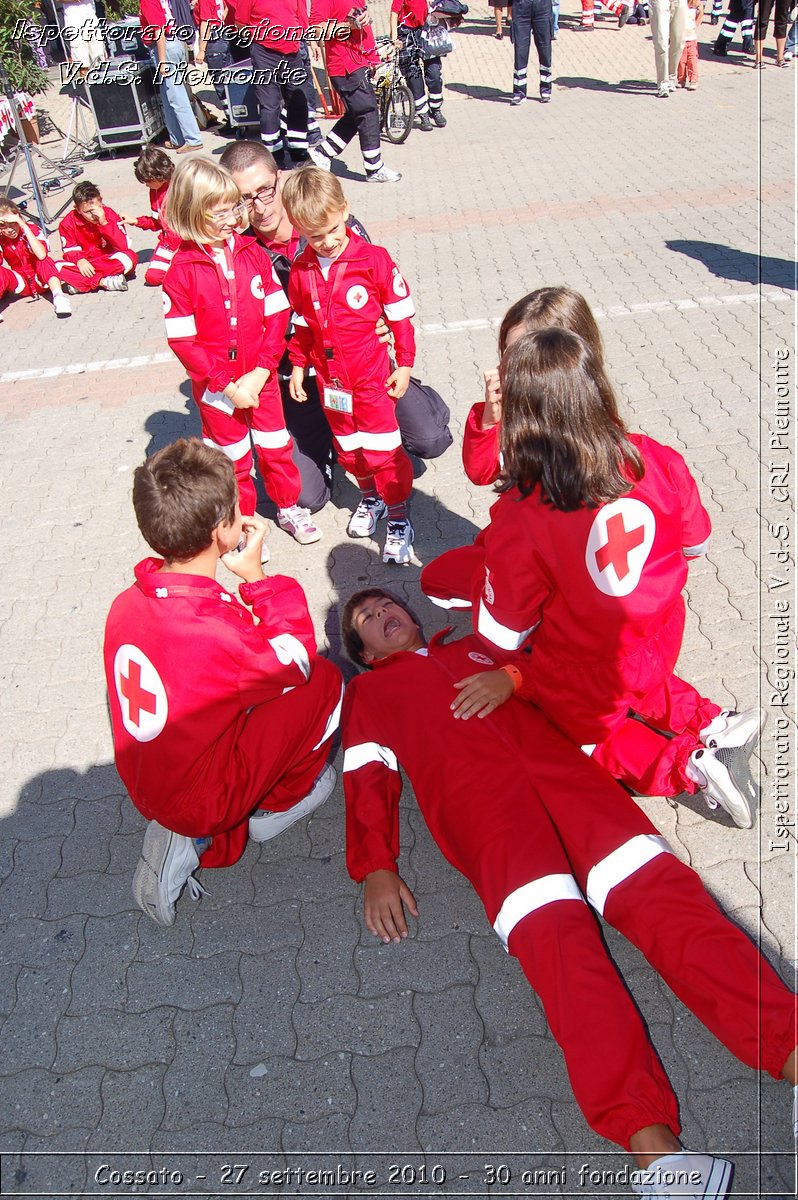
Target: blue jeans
point(178, 113)
point(555, 15)
point(792, 38)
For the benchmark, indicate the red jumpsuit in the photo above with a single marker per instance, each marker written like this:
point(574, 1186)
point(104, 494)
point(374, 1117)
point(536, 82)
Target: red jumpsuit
point(105, 246)
point(168, 241)
point(222, 322)
point(537, 827)
point(598, 595)
point(214, 716)
point(21, 272)
point(334, 329)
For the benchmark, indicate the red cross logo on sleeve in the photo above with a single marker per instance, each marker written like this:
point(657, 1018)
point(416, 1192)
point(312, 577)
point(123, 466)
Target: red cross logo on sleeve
point(620, 541)
point(143, 703)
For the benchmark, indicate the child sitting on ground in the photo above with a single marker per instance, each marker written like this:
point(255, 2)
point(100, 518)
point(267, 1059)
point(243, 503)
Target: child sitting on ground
point(96, 249)
point(155, 169)
point(221, 723)
point(338, 288)
point(26, 268)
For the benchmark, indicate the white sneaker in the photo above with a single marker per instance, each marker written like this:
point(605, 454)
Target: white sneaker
point(724, 776)
point(265, 825)
point(687, 1176)
point(364, 519)
point(114, 283)
point(400, 538)
point(384, 175)
point(671, 81)
point(663, 89)
point(320, 159)
point(298, 522)
point(168, 861)
point(61, 305)
point(733, 729)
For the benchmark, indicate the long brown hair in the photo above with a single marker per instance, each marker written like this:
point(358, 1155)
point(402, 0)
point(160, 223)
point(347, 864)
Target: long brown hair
point(561, 429)
point(560, 306)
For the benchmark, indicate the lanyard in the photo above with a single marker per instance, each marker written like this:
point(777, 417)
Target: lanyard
point(229, 297)
point(324, 320)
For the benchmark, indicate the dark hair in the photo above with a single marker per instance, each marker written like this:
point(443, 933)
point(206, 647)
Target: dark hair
point(353, 643)
point(560, 306)
point(153, 163)
point(180, 495)
point(84, 192)
point(239, 156)
point(561, 429)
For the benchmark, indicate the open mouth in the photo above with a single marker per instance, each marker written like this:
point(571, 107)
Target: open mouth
point(391, 626)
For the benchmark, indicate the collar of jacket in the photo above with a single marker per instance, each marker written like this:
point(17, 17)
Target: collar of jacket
point(192, 252)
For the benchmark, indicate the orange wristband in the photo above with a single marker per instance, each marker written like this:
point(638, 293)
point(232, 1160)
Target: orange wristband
point(515, 675)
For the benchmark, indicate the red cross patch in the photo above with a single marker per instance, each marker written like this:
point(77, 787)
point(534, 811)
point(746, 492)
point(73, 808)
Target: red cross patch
point(141, 694)
point(619, 544)
point(357, 296)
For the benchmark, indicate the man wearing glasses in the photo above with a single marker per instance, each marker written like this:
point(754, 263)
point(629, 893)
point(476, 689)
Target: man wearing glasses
point(424, 430)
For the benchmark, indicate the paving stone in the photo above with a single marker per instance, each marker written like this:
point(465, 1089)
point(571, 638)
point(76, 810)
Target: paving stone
point(183, 983)
point(99, 978)
point(28, 1033)
point(132, 1107)
point(422, 966)
point(447, 1060)
point(120, 1041)
point(257, 930)
point(389, 1096)
point(325, 960)
point(192, 1085)
point(263, 1022)
point(45, 1103)
point(350, 1023)
point(296, 1091)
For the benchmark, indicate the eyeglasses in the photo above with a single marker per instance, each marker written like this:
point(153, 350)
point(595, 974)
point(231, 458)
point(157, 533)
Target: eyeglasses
point(264, 195)
point(232, 214)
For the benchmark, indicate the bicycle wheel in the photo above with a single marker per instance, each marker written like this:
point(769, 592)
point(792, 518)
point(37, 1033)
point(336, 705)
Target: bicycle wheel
point(399, 115)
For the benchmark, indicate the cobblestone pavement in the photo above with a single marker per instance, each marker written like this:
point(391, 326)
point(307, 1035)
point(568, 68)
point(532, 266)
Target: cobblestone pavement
point(266, 1028)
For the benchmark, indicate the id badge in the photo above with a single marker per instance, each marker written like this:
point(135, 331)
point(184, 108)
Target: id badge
point(338, 400)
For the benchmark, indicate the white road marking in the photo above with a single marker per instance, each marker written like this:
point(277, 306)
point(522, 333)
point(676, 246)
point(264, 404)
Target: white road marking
point(614, 312)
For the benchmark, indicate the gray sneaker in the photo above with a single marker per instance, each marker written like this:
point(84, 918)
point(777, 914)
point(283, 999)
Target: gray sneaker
point(114, 283)
point(168, 861)
point(384, 175)
point(724, 776)
point(265, 825)
point(732, 730)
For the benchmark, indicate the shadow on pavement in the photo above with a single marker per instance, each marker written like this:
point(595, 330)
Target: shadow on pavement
point(739, 265)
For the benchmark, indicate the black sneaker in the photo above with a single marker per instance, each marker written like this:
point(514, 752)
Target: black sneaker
point(545, 95)
point(438, 118)
point(424, 123)
point(721, 47)
point(748, 45)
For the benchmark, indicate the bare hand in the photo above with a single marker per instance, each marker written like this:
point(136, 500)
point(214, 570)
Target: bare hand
point(296, 385)
point(384, 897)
point(492, 413)
point(241, 398)
point(125, 220)
point(85, 268)
point(481, 694)
point(382, 331)
point(199, 57)
point(397, 383)
point(246, 563)
point(254, 381)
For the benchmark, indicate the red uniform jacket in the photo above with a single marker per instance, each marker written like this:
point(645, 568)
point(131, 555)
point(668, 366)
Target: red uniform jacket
point(276, 24)
point(481, 457)
point(598, 590)
point(83, 239)
point(345, 55)
point(411, 13)
point(184, 662)
point(207, 315)
point(362, 283)
point(19, 256)
point(154, 16)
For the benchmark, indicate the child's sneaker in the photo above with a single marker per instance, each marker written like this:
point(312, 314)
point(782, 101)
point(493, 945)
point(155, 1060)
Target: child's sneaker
point(68, 290)
point(265, 825)
point(672, 1177)
point(168, 861)
point(692, 86)
point(61, 305)
point(384, 175)
point(724, 776)
point(398, 541)
point(364, 519)
point(114, 283)
point(733, 730)
point(298, 522)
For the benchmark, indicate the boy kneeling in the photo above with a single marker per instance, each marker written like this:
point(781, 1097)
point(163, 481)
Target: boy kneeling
point(221, 725)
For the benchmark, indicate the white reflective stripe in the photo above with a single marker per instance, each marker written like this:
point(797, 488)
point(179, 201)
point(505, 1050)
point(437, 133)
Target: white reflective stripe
point(290, 650)
point(297, 320)
point(275, 302)
point(620, 864)
point(532, 896)
point(500, 635)
point(694, 551)
point(68, 248)
point(220, 401)
point(271, 441)
point(163, 252)
point(400, 310)
point(179, 327)
point(124, 259)
point(348, 441)
point(333, 721)
point(367, 752)
point(20, 285)
point(589, 750)
point(381, 441)
point(449, 603)
point(235, 451)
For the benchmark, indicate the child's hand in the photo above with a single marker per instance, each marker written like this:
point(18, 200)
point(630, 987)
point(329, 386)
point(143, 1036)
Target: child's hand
point(85, 268)
point(492, 412)
point(254, 381)
point(383, 331)
point(242, 398)
point(296, 386)
point(397, 382)
point(384, 897)
point(246, 563)
point(481, 694)
point(125, 220)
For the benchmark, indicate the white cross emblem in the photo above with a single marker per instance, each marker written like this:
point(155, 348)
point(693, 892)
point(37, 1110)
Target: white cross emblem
point(357, 296)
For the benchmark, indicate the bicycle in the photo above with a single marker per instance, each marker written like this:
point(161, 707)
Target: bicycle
point(394, 98)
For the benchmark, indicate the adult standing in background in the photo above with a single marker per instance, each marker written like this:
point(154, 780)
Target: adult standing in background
point(82, 36)
point(668, 29)
point(160, 24)
point(278, 27)
point(498, 10)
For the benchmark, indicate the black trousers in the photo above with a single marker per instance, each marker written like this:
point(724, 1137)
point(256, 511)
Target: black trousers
point(531, 19)
point(272, 94)
point(362, 117)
